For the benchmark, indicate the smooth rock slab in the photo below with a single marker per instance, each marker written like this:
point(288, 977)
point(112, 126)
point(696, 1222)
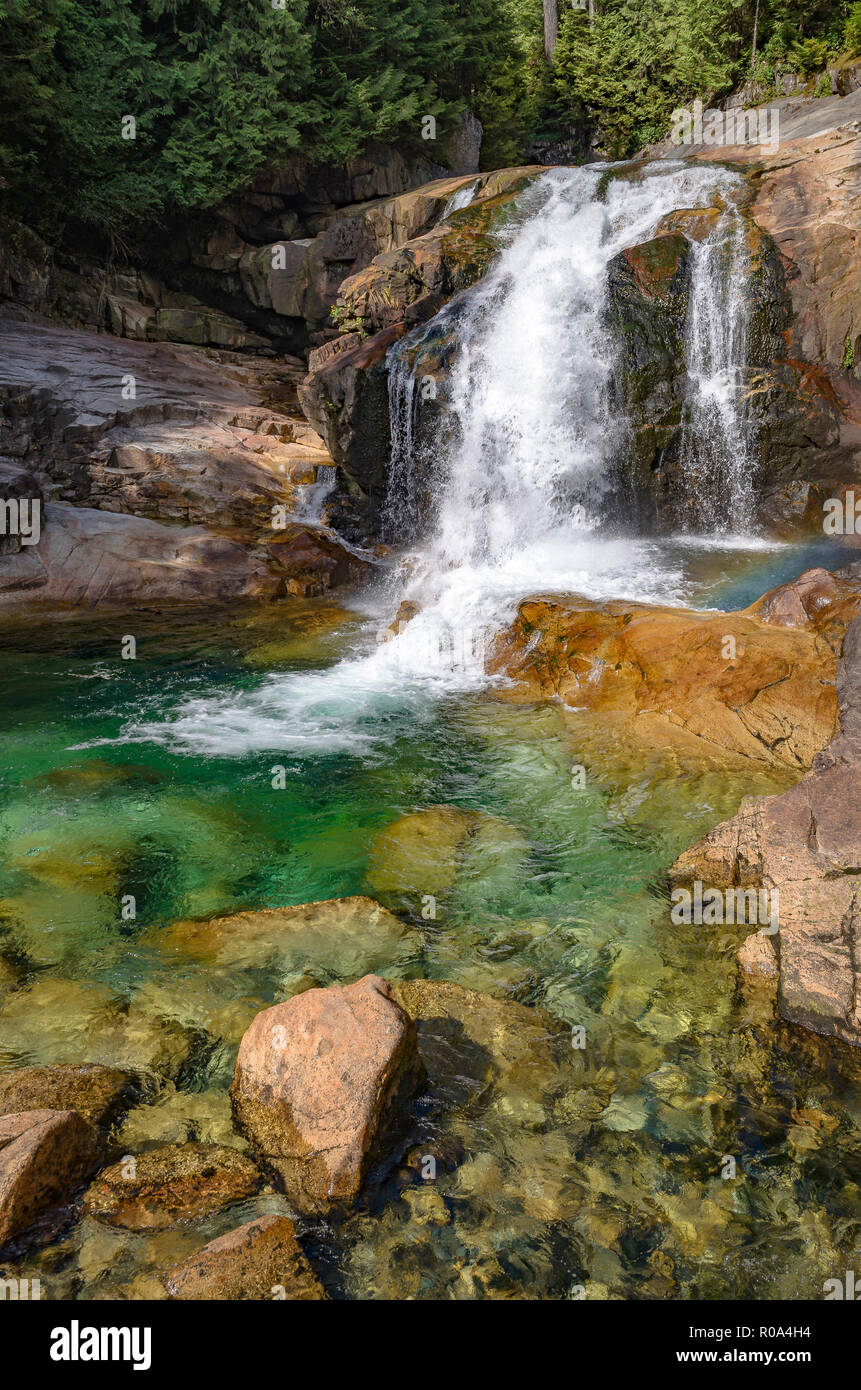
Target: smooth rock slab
point(254, 1261)
point(320, 1081)
point(98, 1093)
point(170, 1185)
point(44, 1154)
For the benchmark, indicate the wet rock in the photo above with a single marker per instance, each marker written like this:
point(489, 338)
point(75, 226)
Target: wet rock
point(346, 399)
point(407, 610)
point(99, 1094)
point(471, 1041)
point(321, 1082)
point(261, 1260)
point(170, 1185)
point(767, 696)
point(757, 961)
point(658, 268)
point(806, 845)
point(338, 938)
point(697, 224)
point(419, 852)
point(44, 1155)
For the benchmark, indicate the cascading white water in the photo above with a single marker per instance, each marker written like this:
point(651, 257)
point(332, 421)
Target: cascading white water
point(460, 199)
point(518, 499)
point(715, 453)
point(516, 493)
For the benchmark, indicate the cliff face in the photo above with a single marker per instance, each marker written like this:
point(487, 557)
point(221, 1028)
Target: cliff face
point(151, 411)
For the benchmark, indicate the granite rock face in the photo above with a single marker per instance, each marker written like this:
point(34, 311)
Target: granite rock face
point(160, 472)
point(806, 845)
point(756, 684)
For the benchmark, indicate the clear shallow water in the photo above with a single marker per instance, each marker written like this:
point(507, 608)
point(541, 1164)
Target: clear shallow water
point(603, 1172)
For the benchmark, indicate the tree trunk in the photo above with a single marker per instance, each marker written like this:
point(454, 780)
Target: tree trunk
point(551, 28)
point(755, 32)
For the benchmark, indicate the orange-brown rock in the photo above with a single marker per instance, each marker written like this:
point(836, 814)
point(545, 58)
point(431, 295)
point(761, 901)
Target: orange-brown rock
point(756, 683)
point(658, 264)
point(169, 1185)
point(44, 1155)
point(806, 845)
point(320, 1084)
point(261, 1259)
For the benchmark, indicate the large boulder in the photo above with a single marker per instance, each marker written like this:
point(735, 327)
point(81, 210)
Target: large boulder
point(321, 1084)
point(261, 1259)
point(169, 1185)
point(44, 1155)
point(748, 683)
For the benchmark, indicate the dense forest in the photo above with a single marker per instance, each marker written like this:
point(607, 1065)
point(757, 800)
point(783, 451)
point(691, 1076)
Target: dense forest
point(117, 111)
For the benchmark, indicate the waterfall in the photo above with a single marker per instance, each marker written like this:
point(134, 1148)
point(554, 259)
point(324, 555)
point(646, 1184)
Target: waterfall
point(401, 524)
point(500, 490)
point(715, 453)
point(520, 487)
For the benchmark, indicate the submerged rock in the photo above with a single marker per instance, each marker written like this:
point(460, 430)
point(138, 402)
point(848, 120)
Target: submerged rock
point(321, 1082)
point(440, 848)
point(179, 1117)
point(44, 1155)
point(61, 1021)
point(419, 852)
point(338, 938)
point(757, 963)
point(468, 1041)
point(262, 1259)
point(99, 1094)
point(170, 1185)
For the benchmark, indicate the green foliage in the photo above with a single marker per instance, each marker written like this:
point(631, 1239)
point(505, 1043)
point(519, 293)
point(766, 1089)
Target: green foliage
point(223, 89)
point(852, 31)
point(636, 63)
point(808, 56)
point(848, 355)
